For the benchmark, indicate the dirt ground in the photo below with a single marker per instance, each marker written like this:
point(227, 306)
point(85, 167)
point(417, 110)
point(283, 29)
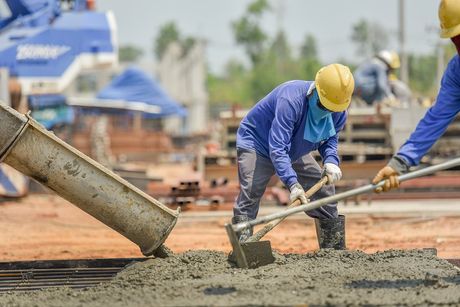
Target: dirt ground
point(324, 278)
point(47, 227)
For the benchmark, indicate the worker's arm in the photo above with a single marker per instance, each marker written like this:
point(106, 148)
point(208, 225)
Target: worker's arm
point(436, 119)
point(279, 140)
point(383, 84)
point(428, 131)
point(328, 149)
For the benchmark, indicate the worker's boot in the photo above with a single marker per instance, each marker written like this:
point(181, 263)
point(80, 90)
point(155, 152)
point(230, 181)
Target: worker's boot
point(331, 232)
point(244, 234)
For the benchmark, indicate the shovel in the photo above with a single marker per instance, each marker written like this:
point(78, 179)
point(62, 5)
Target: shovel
point(238, 250)
point(253, 253)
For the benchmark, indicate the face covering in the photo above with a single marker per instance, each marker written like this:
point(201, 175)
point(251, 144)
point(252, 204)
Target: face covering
point(456, 41)
point(319, 125)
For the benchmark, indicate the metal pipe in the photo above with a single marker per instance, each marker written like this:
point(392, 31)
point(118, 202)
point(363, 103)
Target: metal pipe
point(331, 199)
point(31, 149)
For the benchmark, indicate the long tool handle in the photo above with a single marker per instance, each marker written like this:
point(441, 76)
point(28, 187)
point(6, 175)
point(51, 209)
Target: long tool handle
point(334, 198)
point(258, 235)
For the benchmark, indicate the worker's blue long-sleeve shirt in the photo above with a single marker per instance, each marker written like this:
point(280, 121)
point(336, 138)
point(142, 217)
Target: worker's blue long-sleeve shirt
point(274, 128)
point(437, 118)
point(371, 81)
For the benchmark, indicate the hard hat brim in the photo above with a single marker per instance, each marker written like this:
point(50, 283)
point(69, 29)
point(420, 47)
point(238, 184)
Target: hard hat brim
point(450, 32)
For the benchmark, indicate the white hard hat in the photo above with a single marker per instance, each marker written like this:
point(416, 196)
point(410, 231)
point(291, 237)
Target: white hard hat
point(386, 56)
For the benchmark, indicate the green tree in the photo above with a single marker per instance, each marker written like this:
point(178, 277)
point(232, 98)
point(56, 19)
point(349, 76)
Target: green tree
point(309, 49)
point(273, 70)
point(265, 76)
point(422, 69)
point(369, 37)
point(232, 88)
point(248, 32)
point(129, 53)
point(280, 47)
point(187, 44)
point(309, 60)
point(168, 34)
point(272, 61)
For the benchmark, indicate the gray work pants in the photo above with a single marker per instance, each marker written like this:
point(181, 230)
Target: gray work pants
point(254, 172)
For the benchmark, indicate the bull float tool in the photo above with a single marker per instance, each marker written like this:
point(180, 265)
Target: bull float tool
point(243, 256)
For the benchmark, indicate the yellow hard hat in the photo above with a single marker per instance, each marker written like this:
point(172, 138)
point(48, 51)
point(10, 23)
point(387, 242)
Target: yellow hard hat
point(335, 85)
point(395, 62)
point(449, 17)
point(391, 58)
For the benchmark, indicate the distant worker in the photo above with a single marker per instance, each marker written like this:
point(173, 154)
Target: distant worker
point(440, 115)
point(278, 135)
point(372, 78)
point(400, 90)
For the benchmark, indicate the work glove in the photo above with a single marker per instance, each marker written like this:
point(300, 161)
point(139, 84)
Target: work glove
point(391, 179)
point(395, 167)
point(332, 172)
point(297, 192)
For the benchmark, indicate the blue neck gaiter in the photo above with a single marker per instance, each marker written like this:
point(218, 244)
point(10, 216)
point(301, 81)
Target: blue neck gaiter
point(319, 125)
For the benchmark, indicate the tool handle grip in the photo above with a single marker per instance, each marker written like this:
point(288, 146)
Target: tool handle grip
point(262, 232)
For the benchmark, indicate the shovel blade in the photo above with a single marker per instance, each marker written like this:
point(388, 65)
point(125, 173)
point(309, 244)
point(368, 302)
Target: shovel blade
point(249, 255)
point(256, 254)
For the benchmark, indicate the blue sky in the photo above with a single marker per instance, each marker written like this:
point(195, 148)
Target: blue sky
point(329, 20)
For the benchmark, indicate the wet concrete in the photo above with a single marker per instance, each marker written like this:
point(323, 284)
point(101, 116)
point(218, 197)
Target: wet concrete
point(198, 278)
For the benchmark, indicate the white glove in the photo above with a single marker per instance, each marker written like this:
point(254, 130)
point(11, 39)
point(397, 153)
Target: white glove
point(297, 192)
point(390, 100)
point(332, 172)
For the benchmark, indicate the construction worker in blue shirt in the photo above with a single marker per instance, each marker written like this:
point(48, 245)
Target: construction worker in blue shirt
point(440, 115)
point(372, 78)
point(278, 135)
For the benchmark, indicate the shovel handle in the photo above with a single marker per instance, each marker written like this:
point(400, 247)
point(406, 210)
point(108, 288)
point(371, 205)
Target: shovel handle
point(269, 226)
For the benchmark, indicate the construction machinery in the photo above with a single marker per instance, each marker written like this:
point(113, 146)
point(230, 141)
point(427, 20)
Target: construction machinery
point(44, 47)
point(29, 148)
point(248, 256)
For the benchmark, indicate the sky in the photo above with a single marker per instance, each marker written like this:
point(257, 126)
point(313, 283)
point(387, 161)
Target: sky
point(330, 21)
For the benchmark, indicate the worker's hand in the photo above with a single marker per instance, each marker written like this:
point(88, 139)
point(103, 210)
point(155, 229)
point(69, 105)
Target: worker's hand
point(332, 172)
point(297, 192)
point(391, 179)
point(390, 101)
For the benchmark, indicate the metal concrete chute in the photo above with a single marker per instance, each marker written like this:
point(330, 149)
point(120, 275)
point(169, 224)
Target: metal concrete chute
point(31, 149)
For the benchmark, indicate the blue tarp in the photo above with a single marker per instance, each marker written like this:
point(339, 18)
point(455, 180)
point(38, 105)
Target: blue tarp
point(46, 101)
point(133, 85)
point(54, 116)
point(50, 110)
point(12, 182)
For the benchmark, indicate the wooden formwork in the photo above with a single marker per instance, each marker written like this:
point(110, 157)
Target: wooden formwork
point(230, 121)
point(367, 128)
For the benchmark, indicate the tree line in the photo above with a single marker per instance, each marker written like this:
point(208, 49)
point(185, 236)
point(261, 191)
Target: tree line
point(272, 60)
